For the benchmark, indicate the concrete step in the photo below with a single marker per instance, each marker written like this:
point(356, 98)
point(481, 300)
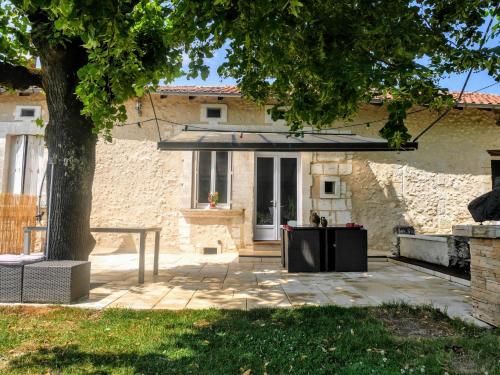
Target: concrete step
point(259, 253)
point(266, 243)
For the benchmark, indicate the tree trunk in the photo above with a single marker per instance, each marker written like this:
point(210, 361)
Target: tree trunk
point(71, 146)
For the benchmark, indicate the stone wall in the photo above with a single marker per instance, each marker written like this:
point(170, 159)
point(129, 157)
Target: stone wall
point(485, 279)
point(430, 188)
point(336, 164)
point(135, 184)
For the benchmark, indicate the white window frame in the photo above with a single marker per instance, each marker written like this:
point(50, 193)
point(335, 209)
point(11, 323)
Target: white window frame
point(268, 118)
point(213, 160)
point(19, 108)
point(213, 120)
point(30, 164)
point(335, 180)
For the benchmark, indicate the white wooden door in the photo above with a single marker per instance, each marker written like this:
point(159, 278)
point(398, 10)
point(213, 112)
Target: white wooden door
point(276, 182)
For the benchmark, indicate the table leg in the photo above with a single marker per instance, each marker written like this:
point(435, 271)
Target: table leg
point(157, 253)
point(142, 251)
point(27, 242)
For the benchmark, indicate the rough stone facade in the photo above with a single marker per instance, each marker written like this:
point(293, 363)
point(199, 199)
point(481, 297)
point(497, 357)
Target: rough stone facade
point(339, 164)
point(136, 184)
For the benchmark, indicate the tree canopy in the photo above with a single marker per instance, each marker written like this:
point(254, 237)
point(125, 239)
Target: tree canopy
point(319, 58)
point(322, 58)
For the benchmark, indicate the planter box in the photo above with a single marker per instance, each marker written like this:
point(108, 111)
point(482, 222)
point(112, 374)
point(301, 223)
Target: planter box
point(431, 249)
point(62, 281)
point(11, 275)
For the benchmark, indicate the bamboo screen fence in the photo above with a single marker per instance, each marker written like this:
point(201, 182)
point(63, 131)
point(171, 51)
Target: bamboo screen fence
point(16, 212)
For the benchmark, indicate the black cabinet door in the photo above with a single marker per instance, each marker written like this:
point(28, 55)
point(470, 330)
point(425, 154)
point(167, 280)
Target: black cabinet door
point(329, 250)
point(351, 253)
point(303, 251)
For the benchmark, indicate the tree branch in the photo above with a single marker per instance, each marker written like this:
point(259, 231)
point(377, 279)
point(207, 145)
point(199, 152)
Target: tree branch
point(19, 77)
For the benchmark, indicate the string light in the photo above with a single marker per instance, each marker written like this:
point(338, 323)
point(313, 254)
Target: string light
point(187, 127)
point(324, 131)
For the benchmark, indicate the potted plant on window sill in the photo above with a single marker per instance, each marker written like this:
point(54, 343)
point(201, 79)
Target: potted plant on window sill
point(213, 199)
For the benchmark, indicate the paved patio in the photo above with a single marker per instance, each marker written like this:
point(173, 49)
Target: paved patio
point(223, 281)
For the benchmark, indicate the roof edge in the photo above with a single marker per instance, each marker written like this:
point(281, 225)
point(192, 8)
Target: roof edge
point(233, 91)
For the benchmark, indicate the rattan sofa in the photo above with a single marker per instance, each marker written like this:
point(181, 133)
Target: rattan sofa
point(11, 275)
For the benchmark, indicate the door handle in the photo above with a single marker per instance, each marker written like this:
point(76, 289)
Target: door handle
point(273, 203)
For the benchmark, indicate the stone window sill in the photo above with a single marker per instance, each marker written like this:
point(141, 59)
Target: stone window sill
point(211, 213)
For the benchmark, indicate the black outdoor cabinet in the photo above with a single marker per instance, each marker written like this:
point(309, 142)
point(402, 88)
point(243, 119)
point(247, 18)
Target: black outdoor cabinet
point(317, 249)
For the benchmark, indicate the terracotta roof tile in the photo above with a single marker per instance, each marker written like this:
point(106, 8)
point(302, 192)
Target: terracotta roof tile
point(200, 90)
point(468, 98)
point(478, 98)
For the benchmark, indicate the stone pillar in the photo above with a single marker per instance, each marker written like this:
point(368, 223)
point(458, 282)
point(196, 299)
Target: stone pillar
point(485, 270)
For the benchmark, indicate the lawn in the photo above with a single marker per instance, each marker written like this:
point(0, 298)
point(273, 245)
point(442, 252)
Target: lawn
point(313, 340)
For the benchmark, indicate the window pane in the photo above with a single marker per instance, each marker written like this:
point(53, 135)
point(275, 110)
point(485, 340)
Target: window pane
point(221, 175)
point(495, 172)
point(204, 171)
point(288, 190)
point(16, 164)
point(27, 112)
point(213, 113)
point(265, 191)
point(35, 165)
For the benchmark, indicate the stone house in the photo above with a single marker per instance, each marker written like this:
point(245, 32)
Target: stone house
point(138, 184)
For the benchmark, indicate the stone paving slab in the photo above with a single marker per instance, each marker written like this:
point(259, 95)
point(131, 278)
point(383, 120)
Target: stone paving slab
point(142, 296)
point(224, 281)
point(176, 299)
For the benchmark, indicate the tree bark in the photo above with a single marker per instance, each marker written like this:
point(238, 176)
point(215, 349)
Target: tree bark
point(71, 144)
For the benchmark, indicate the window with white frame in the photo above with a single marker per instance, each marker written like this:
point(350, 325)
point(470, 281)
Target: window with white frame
point(27, 112)
point(329, 187)
point(27, 163)
point(213, 113)
point(213, 174)
point(269, 119)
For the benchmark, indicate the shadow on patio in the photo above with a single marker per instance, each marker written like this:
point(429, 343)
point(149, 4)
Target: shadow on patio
point(220, 281)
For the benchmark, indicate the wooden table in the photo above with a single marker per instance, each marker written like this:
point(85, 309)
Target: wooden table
point(142, 242)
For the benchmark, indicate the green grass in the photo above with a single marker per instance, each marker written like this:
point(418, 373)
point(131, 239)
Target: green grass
point(392, 339)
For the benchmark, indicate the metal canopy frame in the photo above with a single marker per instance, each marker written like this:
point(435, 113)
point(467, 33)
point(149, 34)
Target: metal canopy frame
point(276, 142)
